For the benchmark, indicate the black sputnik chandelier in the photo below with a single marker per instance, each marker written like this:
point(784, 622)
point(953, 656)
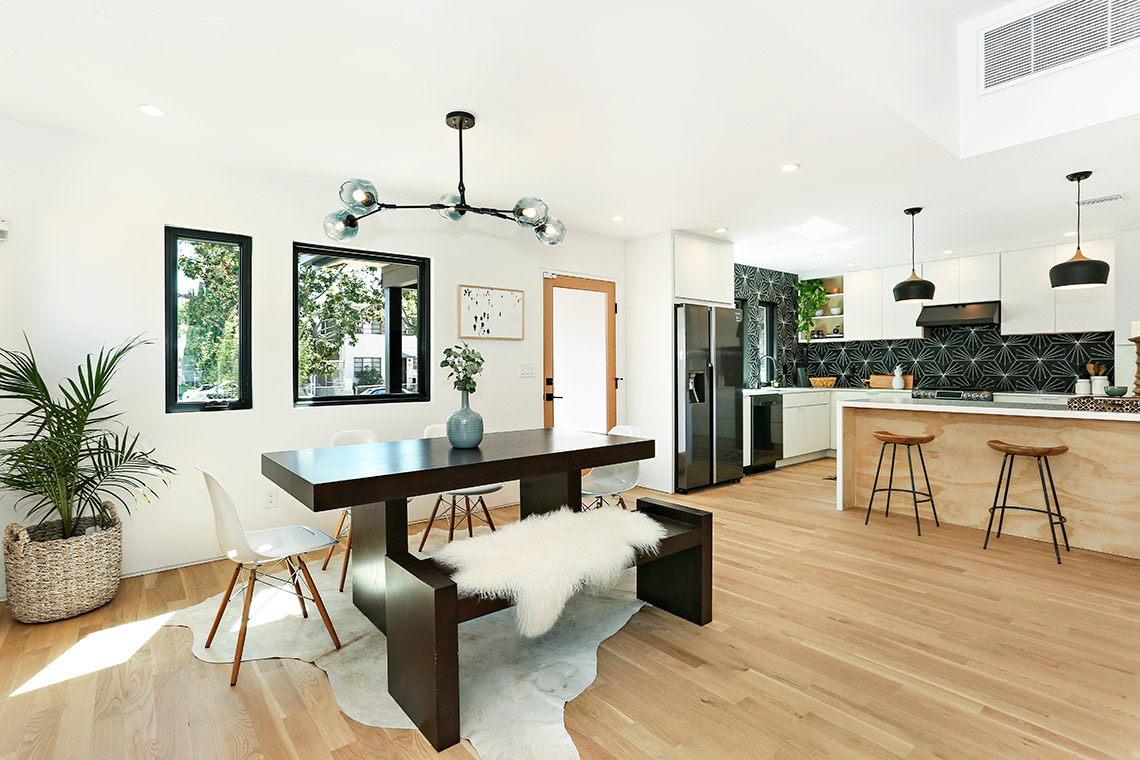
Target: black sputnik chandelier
point(359, 199)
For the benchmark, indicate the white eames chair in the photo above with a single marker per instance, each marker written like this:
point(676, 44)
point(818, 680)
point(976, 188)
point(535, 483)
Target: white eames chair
point(468, 509)
point(346, 438)
point(612, 479)
point(255, 550)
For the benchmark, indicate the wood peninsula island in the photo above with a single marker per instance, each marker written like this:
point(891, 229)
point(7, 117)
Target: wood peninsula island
point(1098, 480)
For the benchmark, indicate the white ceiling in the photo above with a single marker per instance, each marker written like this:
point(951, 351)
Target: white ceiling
point(676, 115)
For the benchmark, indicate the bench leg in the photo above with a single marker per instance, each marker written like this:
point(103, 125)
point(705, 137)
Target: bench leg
point(680, 583)
point(423, 647)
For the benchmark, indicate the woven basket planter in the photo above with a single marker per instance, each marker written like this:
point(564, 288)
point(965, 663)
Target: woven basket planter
point(52, 578)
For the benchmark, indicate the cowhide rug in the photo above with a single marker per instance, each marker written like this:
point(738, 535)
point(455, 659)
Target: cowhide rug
point(513, 690)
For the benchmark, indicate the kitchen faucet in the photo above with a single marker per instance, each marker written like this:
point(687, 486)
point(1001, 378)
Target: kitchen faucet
point(775, 369)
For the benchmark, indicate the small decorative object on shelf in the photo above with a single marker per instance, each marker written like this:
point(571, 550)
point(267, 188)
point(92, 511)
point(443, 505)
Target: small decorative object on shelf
point(1136, 382)
point(464, 426)
point(822, 382)
point(899, 382)
point(810, 301)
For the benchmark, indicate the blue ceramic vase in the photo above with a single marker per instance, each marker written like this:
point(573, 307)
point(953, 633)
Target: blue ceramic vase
point(465, 426)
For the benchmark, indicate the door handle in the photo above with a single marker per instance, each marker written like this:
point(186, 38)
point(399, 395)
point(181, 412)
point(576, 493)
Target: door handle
point(551, 397)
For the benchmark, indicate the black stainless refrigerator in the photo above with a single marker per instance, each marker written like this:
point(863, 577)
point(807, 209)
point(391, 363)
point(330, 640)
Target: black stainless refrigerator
point(709, 407)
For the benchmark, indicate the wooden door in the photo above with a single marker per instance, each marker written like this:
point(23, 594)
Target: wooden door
point(590, 308)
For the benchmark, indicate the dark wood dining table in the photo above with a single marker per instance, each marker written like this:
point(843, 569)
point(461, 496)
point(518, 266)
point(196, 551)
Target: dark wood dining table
point(377, 479)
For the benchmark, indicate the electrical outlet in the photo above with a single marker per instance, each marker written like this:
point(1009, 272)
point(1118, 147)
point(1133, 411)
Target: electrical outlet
point(526, 369)
point(271, 498)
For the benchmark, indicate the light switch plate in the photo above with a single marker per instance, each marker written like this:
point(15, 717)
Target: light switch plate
point(526, 369)
point(4, 229)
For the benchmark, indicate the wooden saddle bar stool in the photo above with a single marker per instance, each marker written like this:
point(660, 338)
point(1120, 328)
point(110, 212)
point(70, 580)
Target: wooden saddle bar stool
point(1041, 453)
point(894, 440)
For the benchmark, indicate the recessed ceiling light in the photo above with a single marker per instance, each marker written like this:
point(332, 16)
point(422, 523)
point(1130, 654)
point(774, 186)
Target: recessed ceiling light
point(1070, 233)
point(789, 167)
point(721, 230)
point(774, 244)
point(154, 111)
point(818, 256)
point(948, 251)
point(850, 263)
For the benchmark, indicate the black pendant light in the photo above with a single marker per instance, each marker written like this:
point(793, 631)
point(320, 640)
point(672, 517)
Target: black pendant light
point(913, 289)
point(1079, 271)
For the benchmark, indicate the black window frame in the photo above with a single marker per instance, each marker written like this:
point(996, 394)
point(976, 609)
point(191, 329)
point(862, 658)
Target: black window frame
point(423, 340)
point(245, 321)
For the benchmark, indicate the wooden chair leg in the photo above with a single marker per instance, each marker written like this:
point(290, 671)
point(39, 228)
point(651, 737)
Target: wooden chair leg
point(486, 513)
point(339, 525)
point(317, 597)
point(431, 521)
point(344, 564)
point(451, 528)
point(222, 606)
point(244, 625)
point(297, 586)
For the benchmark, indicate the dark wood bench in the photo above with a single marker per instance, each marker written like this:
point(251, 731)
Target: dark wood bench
point(425, 610)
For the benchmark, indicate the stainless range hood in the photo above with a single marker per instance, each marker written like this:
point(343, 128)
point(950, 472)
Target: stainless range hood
point(946, 315)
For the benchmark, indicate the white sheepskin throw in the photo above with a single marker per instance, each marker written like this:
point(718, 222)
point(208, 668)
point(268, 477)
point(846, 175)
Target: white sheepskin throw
point(540, 562)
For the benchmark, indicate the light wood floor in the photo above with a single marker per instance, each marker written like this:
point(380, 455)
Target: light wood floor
point(830, 639)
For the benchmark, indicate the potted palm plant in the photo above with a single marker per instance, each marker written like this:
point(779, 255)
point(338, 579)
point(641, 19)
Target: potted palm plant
point(69, 461)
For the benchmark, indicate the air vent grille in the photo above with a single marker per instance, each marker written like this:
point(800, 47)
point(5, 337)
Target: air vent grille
point(1055, 36)
point(1102, 200)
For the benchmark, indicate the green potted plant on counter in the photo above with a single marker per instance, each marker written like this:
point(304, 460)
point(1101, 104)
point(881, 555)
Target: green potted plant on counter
point(464, 426)
point(810, 300)
point(67, 457)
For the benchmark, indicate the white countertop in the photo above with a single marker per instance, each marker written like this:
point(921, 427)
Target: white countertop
point(793, 389)
point(1002, 408)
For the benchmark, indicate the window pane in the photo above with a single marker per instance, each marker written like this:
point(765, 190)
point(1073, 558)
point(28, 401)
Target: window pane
point(207, 351)
point(344, 340)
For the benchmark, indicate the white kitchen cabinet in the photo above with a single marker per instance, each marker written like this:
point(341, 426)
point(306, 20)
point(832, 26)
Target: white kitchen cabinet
point(1125, 280)
point(979, 278)
point(1085, 309)
point(1028, 305)
point(863, 305)
point(703, 270)
point(806, 423)
point(945, 275)
point(898, 318)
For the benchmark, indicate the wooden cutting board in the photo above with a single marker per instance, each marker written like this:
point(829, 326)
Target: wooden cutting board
point(884, 381)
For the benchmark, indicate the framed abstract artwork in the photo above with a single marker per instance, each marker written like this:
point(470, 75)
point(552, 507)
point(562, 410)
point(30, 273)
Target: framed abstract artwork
point(490, 313)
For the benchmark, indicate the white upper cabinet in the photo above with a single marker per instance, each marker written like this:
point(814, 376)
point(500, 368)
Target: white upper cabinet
point(898, 318)
point(1086, 309)
point(1027, 302)
point(863, 305)
point(979, 278)
point(944, 273)
point(702, 270)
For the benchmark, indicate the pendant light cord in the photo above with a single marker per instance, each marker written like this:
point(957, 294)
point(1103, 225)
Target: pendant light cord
point(1078, 216)
point(912, 269)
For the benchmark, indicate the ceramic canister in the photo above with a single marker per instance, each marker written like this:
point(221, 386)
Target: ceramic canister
point(1083, 388)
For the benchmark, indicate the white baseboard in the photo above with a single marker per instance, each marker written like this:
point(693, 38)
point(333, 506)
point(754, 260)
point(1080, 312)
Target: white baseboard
point(828, 453)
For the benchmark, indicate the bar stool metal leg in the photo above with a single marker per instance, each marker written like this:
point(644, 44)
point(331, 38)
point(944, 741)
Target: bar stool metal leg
point(1005, 497)
point(891, 480)
point(1048, 509)
point(997, 493)
point(929, 490)
point(875, 485)
point(913, 489)
point(1057, 504)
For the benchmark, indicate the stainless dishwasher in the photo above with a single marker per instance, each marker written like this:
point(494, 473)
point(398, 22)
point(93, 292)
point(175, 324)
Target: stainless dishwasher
point(766, 413)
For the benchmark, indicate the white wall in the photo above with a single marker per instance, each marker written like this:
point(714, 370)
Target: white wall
point(84, 266)
point(649, 357)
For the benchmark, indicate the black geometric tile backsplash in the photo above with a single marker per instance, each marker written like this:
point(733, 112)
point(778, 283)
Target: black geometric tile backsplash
point(966, 357)
point(754, 285)
point(975, 357)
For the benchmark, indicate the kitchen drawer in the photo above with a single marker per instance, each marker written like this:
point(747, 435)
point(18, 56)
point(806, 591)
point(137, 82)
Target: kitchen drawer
point(805, 398)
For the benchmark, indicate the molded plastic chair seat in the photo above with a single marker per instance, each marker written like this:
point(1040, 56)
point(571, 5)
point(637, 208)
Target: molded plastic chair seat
point(1027, 451)
point(454, 510)
point(287, 541)
point(612, 479)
